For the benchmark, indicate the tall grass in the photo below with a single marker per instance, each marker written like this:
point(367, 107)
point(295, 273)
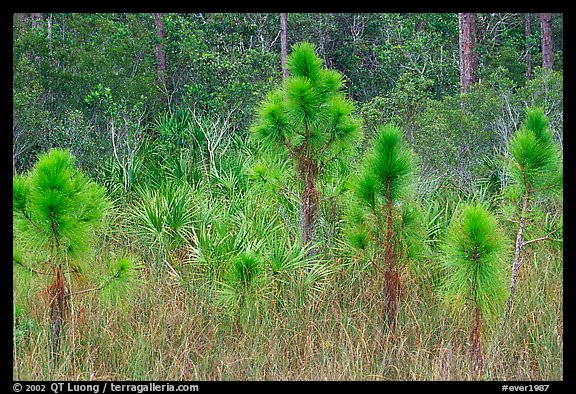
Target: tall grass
point(173, 330)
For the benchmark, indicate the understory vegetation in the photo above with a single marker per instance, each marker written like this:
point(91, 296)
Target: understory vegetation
point(312, 227)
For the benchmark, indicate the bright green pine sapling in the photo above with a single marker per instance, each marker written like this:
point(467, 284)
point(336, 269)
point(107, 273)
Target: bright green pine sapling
point(474, 251)
point(310, 121)
point(387, 220)
point(535, 171)
point(57, 212)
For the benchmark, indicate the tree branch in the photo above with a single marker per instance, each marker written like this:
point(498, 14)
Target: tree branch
point(103, 285)
point(25, 266)
point(546, 237)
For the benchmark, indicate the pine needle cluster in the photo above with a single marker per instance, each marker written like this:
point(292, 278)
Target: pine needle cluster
point(536, 164)
point(309, 115)
point(388, 168)
point(535, 170)
point(474, 288)
point(57, 212)
point(474, 253)
point(57, 209)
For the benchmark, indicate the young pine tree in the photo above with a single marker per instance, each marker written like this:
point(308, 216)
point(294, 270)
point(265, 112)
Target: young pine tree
point(535, 171)
point(475, 271)
point(57, 211)
point(309, 121)
point(387, 218)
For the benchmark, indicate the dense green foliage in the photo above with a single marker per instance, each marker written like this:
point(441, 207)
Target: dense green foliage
point(536, 177)
point(220, 63)
point(388, 167)
point(57, 212)
point(384, 191)
point(307, 227)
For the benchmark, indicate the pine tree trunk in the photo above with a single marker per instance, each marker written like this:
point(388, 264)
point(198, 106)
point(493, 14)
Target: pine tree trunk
point(57, 292)
point(475, 341)
point(284, 43)
point(528, 36)
point(519, 244)
point(50, 17)
point(468, 57)
point(391, 277)
point(309, 202)
point(161, 55)
point(547, 52)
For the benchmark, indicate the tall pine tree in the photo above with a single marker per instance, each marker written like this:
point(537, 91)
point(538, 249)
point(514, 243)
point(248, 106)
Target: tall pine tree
point(311, 121)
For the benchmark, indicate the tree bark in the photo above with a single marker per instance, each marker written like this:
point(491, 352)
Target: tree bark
point(391, 277)
point(161, 53)
point(546, 29)
point(476, 340)
point(528, 36)
point(519, 245)
point(57, 293)
point(309, 203)
point(468, 56)
point(283, 43)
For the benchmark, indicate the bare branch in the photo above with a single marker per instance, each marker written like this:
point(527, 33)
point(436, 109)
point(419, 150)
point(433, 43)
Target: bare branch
point(102, 286)
point(546, 237)
point(27, 267)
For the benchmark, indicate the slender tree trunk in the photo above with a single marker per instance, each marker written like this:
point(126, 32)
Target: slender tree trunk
point(283, 43)
point(475, 350)
point(309, 202)
point(161, 55)
point(468, 56)
point(391, 277)
point(547, 50)
point(57, 292)
point(475, 341)
point(519, 244)
point(528, 36)
point(357, 30)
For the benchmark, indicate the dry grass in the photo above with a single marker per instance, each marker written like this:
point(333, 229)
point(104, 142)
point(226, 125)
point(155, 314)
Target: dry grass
point(170, 330)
